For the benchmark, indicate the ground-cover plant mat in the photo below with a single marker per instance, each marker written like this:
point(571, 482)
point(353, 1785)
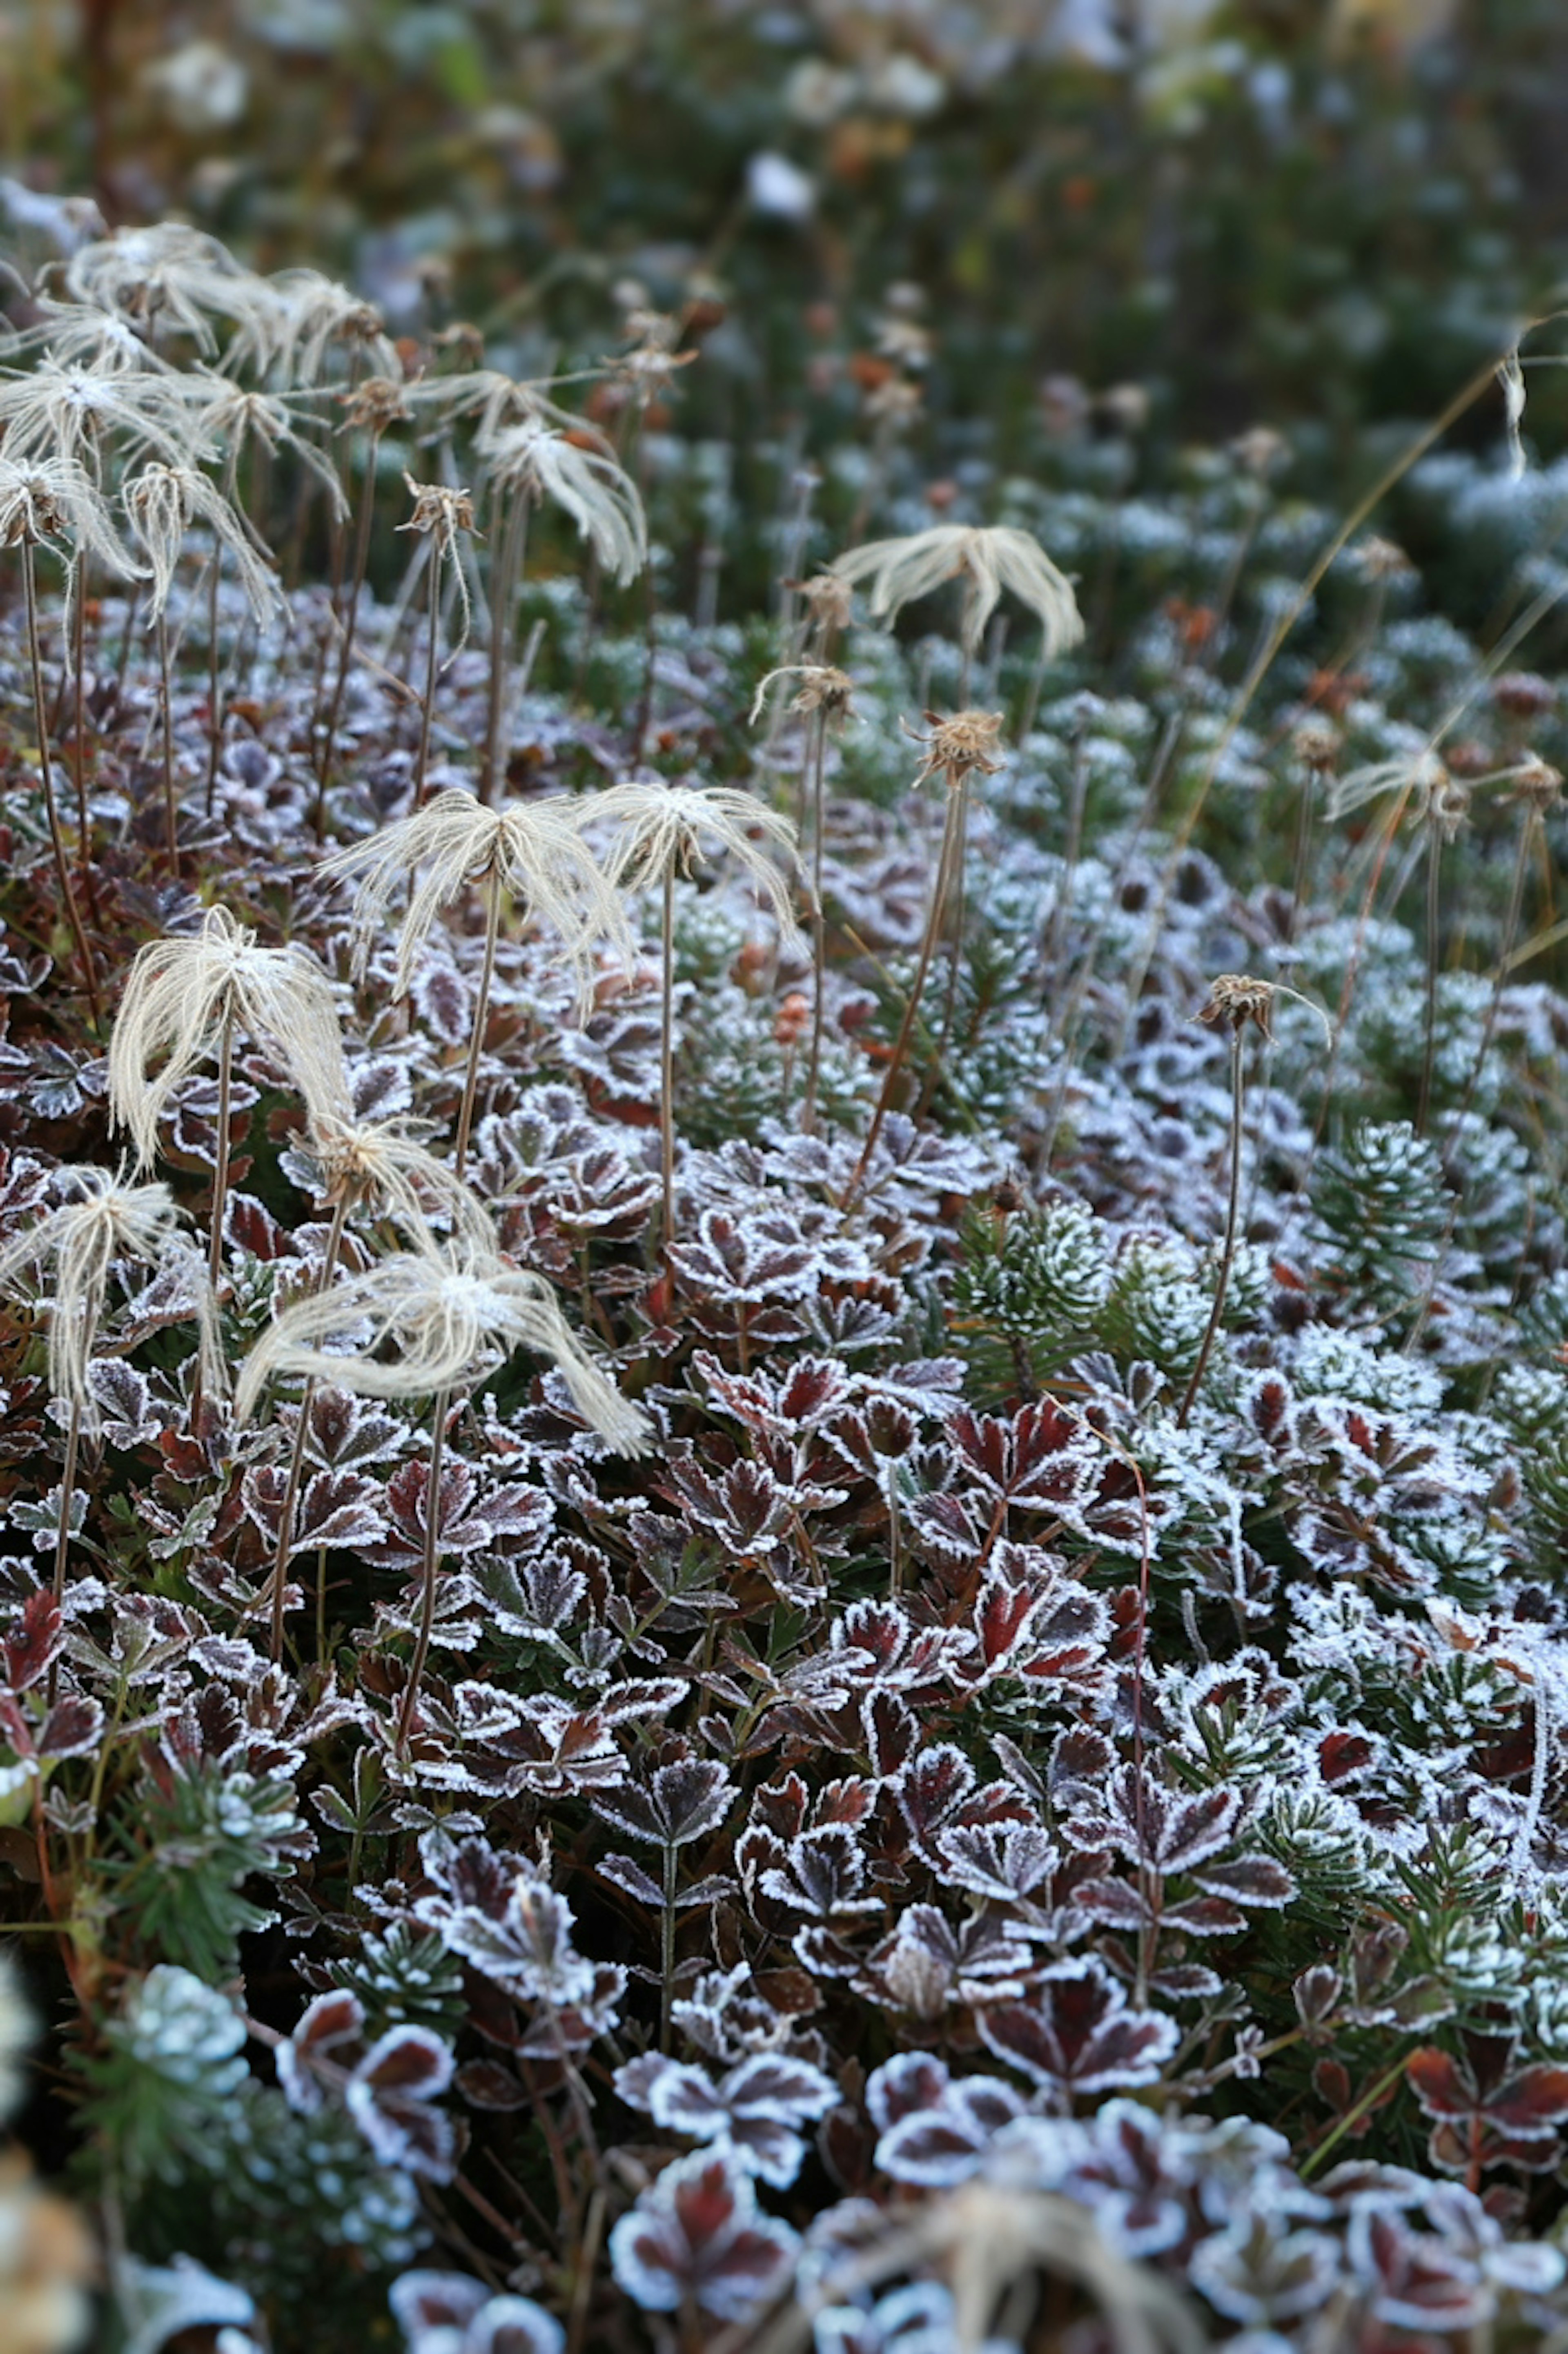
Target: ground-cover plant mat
point(784, 1438)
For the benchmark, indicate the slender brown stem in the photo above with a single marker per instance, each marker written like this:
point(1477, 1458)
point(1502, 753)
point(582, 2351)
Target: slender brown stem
point(918, 991)
point(1429, 1024)
point(79, 664)
point(950, 996)
point(819, 923)
point(503, 597)
point(431, 665)
point(667, 1063)
point(480, 1015)
point(428, 1572)
point(171, 806)
point(1232, 1222)
point(68, 1490)
point(1505, 950)
point(297, 1455)
point(46, 770)
point(220, 1169)
point(350, 618)
point(214, 680)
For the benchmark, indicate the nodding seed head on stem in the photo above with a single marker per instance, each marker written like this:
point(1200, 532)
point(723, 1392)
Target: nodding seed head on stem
point(534, 849)
point(988, 557)
point(162, 502)
point(823, 688)
point(109, 1219)
point(659, 828)
point(574, 468)
point(447, 1315)
point(382, 1165)
point(181, 992)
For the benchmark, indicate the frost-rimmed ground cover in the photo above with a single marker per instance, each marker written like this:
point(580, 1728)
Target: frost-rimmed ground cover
point(971, 1749)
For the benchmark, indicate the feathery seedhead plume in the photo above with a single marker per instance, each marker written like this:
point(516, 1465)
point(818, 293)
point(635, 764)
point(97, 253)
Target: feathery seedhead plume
point(823, 688)
point(661, 827)
point(576, 470)
point(382, 1165)
point(956, 747)
point(109, 1219)
point(179, 995)
point(533, 849)
point(75, 413)
point(162, 502)
point(81, 335)
point(989, 557)
point(1421, 773)
point(54, 502)
point(233, 414)
point(301, 315)
point(167, 275)
point(498, 400)
point(449, 1316)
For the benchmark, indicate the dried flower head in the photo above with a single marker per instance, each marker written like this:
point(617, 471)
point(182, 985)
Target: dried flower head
point(1537, 783)
point(956, 747)
point(109, 1219)
point(163, 502)
point(533, 849)
point(830, 600)
point(440, 514)
point(446, 1317)
point(661, 828)
point(823, 688)
point(578, 470)
point(375, 403)
point(181, 993)
point(1315, 744)
point(1260, 451)
point(987, 558)
point(234, 416)
point(1235, 999)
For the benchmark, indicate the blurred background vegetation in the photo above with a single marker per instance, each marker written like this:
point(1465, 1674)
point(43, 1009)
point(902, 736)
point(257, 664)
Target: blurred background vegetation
point(1319, 215)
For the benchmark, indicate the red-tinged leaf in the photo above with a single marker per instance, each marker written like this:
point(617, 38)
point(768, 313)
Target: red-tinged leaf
point(1343, 1755)
point(33, 1644)
point(409, 2062)
point(1249, 1879)
point(486, 2084)
point(71, 1728)
point(1077, 2035)
point(780, 1806)
point(933, 1787)
point(331, 2020)
point(248, 1226)
point(623, 1873)
point(1205, 1916)
point(891, 1733)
